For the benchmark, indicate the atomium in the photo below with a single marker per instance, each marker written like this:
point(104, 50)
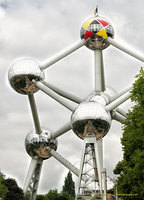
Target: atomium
point(21, 74)
point(97, 29)
point(90, 119)
point(40, 145)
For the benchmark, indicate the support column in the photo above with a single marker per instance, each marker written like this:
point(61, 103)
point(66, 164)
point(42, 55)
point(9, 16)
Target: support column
point(33, 177)
point(104, 183)
point(91, 166)
point(99, 71)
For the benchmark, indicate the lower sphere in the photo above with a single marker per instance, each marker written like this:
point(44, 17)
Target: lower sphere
point(40, 145)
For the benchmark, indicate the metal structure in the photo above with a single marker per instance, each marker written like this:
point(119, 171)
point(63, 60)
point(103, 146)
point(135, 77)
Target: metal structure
point(90, 119)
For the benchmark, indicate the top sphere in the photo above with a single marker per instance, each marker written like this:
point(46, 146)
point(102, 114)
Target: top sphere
point(21, 74)
point(97, 29)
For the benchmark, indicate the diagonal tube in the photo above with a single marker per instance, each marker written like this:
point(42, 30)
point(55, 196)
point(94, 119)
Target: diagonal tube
point(61, 131)
point(99, 71)
point(121, 111)
point(123, 48)
point(65, 162)
point(118, 102)
point(34, 113)
point(118, 117)
point(63, 53)
point(55, 96)
point(120, 93)
point(63, 93)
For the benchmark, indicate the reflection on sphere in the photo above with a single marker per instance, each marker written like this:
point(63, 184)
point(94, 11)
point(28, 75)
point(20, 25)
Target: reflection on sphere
point(40, 145)
point(21, 74)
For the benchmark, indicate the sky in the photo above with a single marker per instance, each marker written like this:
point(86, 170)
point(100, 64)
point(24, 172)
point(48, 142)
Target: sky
point(40, 29)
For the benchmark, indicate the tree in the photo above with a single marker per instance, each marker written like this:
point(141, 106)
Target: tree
point(69, 186)
point(14, 192)
point(3, 188)
point(28, 195)
point(52, 195)
point(40, 197)
point(131, 168)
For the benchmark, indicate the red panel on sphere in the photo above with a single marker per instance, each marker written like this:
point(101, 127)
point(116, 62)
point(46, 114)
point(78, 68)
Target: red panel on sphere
point(88, 34)
point(104, 23)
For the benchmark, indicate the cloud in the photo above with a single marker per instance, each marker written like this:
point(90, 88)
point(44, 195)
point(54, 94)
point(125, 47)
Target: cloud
point(40, 29)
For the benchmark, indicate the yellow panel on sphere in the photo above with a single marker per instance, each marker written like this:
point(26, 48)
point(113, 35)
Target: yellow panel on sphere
point(102, 33)
point(87, 24)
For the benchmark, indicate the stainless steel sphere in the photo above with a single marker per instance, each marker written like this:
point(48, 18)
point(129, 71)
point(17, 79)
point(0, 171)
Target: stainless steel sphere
point(97, 29)
point(90, 118)
point(21, 73)
point(110, 92)
point(99, 97)
point(40, 145)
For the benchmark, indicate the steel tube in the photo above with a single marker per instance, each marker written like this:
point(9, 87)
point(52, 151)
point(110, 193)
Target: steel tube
point(63, 54)
point(116, 116)
point(55, 96)
point(120, 93)
point(34, 113)
point(117, 102)
point(104, 178)
point(65, 162)
point(99, 71)
point(63, 93)
point(123, 48)
point(121, 111)
point(61, 131)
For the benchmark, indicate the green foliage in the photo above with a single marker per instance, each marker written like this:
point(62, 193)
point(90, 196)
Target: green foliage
point(131, 168)
point(3, 188)
point(138, 89)
point(40, 197)
point(54, 195)
point(69, 186)
point(2, 175)
point(14, 192)
point(28, 195)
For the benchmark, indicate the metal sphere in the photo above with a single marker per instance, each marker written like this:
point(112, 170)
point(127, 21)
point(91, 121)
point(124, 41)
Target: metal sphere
point(110, 92)
point(90, 118)
point(40, 145)
point(99, 97)
point(21, 73)
point(97, 29)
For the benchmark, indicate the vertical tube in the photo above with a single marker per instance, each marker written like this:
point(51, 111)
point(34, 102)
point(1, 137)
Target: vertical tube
point(99, 160)
point(99, 71)
point(34, 113)
point(104, 183)
point(116, 191)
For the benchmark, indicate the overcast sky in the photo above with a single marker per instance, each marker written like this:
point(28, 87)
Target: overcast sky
point(39, 29)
